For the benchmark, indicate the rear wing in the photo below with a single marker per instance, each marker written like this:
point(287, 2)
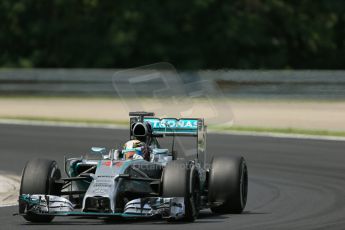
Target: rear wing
point(160, 127)
point(174, 126)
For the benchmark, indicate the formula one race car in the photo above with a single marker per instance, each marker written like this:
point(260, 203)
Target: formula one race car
point(140, 180)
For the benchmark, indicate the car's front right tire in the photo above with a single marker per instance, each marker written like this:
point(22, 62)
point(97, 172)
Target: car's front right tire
point(38, 177)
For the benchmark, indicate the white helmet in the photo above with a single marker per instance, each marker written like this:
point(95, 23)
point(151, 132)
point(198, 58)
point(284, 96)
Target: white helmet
point(132, 144)
point(133, 149)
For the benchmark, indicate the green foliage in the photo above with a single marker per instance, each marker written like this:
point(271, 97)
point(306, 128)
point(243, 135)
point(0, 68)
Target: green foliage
point(192, 34)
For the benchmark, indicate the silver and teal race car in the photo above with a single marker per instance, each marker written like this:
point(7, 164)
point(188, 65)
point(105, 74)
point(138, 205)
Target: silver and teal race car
point(140, 180)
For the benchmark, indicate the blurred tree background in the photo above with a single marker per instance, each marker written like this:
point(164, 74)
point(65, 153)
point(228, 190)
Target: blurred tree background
point(194, 34)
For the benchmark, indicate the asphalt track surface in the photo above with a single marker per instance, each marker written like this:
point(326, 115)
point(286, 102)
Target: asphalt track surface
point(293, 183)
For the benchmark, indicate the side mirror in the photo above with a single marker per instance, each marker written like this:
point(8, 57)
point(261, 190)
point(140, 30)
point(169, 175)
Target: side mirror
point(98, 150)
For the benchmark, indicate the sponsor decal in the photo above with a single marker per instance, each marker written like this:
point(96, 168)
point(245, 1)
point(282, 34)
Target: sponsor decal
point(157, 123)
point(107, 163)
point(110, 163)
point(118, 164)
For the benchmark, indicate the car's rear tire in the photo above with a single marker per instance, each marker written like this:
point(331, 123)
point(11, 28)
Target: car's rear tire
point(181, 179)
point(38, 177)
point(228, 184)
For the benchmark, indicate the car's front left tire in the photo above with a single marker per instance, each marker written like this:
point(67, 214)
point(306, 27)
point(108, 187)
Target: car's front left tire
point(181, 179)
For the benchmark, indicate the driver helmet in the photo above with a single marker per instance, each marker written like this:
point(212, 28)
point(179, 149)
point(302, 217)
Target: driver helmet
point(133, 150)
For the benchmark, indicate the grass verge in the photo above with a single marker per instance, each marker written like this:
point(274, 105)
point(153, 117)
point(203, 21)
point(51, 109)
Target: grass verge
point(66, 120)
point(313, 132)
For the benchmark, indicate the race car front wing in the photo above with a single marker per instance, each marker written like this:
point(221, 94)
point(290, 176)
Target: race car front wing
point(171, 207)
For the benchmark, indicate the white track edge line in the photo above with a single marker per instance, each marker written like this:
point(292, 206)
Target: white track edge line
point(123, 127)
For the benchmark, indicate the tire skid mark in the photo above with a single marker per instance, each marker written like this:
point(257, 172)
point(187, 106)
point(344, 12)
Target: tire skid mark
point(314, 198)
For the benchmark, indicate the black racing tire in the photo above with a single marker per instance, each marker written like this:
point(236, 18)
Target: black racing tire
point(181, 179)
point(38, 177)
point(228, 184)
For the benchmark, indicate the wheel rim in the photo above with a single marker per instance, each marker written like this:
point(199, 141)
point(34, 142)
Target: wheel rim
point(54, 174)
point(194, 195)
point(244, 185)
